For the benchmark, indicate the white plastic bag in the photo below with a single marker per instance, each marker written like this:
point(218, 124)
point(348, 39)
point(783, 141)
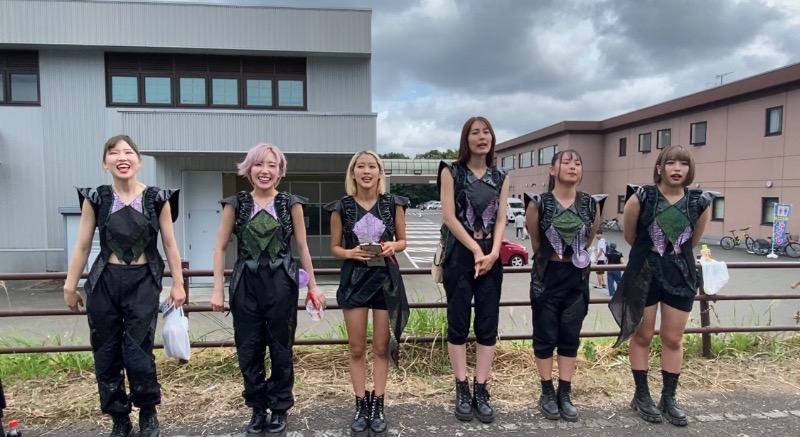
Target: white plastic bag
point(176, 334)
point(715, 275)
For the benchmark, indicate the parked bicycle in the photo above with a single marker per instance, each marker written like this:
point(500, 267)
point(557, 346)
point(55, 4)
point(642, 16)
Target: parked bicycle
point(729, 242)
point(790, 247)
point(610, 225)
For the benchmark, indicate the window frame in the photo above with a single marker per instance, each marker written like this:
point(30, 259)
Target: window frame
point(542, 149)
point(649, 136)
point(208, 67)
point(714, 217)
point(19, 62)
point(521, 161)
point(767, 132)
point(705, 133)
point(143, 90)
point(503, 160)
point(660, 146)
point(623, 147)
point(768, 211)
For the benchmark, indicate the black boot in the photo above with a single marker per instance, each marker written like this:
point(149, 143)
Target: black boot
point(377, 420)
point(258, 422)
point(277, 424)
point(669, 405)
point(122, 426)
point(567, 411)
point(547, 402)
point(480, 403)
point(642, 403)
point(359, 427)
point(463, 401)
point(148, 422)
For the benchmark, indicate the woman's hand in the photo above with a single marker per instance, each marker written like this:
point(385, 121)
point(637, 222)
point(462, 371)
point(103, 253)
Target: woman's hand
point(484, 263)
point(357, 253)
point(388, 249)
point(218, 300)
point(316, 297)
point(177, 296)
point(73, 299)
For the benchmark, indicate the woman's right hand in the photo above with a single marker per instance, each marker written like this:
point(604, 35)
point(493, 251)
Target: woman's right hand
point(218, 300)
point(357, 253)
point(73, 299)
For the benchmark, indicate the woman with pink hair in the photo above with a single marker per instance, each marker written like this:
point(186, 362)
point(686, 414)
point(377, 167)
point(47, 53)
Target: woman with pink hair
point(265, 284)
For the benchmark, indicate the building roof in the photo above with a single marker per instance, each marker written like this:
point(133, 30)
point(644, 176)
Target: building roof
point(783, 78)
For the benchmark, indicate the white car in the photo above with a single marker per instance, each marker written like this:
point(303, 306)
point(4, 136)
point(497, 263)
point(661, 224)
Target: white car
point(515, 206)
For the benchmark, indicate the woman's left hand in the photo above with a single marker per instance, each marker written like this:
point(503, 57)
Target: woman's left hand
point(484, 264)
point(177, 296)
point(388, 249)
point(316, 296)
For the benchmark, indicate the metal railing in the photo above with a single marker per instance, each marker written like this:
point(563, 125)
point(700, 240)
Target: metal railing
point(705, 330)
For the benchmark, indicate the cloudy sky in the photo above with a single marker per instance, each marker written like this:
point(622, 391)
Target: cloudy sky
point(528, 64)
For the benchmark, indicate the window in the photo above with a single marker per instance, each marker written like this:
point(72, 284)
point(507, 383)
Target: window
point(546, 154)
point(718, 209)
point(774, 121)
point(526, 159)
point(176, 80)
point(620, 204)
point(697, 133)
point(645, 141)
point(663, 138)
point(768, 210)
point(19, 77)
point(623, 146)
point(507, 162)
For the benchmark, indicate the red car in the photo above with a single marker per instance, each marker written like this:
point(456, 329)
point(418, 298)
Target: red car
point(513, 254)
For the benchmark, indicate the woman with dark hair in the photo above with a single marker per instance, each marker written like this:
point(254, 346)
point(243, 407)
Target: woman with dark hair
point(124, 283)
point(264, 284)
point(663, 222)
point(562, 223)
point(368, 227)
point(474, 194)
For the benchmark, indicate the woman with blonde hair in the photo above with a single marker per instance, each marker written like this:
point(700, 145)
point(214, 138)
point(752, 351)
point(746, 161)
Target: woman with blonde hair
point(368, 228)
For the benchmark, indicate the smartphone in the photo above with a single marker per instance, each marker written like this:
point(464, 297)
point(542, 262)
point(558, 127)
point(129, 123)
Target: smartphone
point(375, 249)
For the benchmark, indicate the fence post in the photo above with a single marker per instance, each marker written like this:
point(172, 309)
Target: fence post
point(185, 271)
point(705, 321)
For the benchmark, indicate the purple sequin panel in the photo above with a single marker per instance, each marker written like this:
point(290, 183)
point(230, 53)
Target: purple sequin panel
point(135, 204)
point(660, 238)
point(490, 213)
point(270, 209)
point(555, 240)
point(471, 215)
point(580, 257)
point(369, 229)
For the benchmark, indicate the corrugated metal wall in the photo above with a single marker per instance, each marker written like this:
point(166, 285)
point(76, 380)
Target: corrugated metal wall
point(339, 85)
point(206, 27)
point(237, 131)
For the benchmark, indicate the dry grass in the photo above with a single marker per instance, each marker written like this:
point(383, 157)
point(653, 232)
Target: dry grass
point(212, 378)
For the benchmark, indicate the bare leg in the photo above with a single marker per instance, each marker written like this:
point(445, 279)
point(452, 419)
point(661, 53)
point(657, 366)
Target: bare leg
point(356, 322)
point(483, 365)
point(380, 350)
point(639, 347)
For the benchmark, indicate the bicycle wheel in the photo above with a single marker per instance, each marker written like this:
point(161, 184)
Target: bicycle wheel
point(603, 227)
point(792, 250)
point(761, 248)
point(727, 243)
point(748, 241)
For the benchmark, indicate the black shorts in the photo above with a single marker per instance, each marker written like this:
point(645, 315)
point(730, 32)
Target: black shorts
point(601, 262)
point(674, 278)
point(376, 302)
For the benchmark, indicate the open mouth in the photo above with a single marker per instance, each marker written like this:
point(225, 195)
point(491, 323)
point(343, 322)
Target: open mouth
point(264, 179)
point(123, 168)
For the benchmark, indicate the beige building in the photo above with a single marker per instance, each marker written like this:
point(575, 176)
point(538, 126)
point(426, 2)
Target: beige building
point(745, 136)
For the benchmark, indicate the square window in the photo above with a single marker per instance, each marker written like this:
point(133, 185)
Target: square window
point(290, 93)
point(193, 91)
point(645, 142)
point(124, 89)
point(259, 92)
point(623, 146)
point(768, 210)
point(24, 87)
point(718, 209)
point(697, 133)
point(225, 92)
point(664, 138)
point(507, 163)
point(158, 90)
point(620, 204)
point(774, 121)
point(546, 154)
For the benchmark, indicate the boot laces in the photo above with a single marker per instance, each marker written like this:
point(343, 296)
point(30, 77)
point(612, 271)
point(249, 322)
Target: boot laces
point(362, 409)
point(462, 393)
point(481, 394)
point(564, 397)
point(377, 408)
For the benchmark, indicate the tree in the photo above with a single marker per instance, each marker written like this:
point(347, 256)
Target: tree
point(438, 154)
point(393, 155)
